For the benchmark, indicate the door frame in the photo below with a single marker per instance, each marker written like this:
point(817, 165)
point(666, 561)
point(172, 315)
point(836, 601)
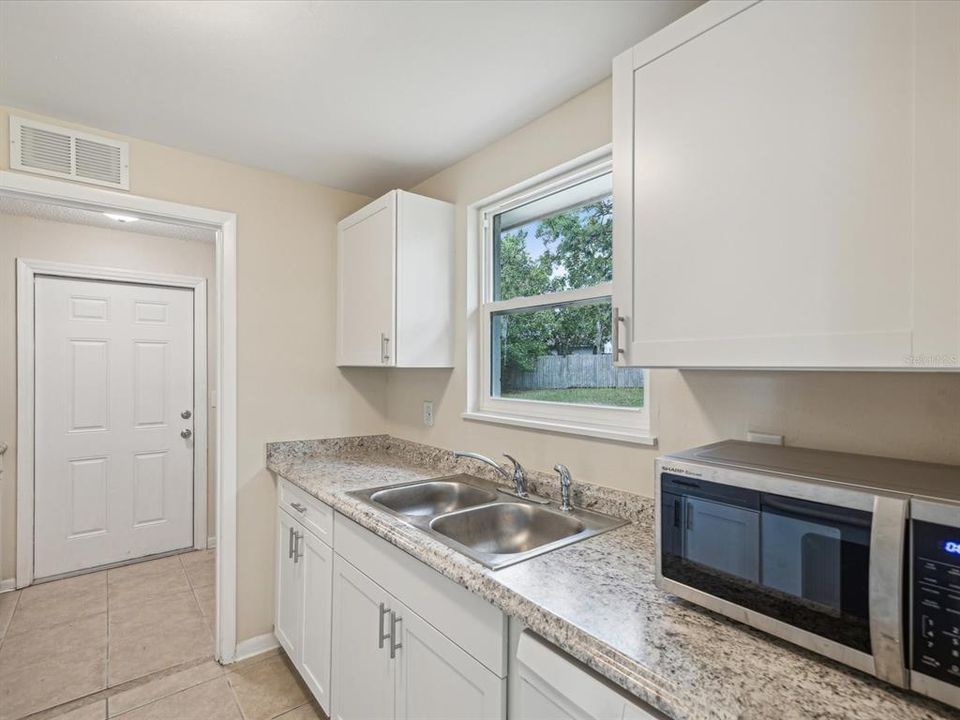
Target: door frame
point(27, 273)
point(62, 193)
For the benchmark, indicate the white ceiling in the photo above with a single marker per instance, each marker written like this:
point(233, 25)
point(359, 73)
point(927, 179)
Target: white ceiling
point(363, 96)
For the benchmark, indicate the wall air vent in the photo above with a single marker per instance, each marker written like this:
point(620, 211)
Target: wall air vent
point(64, 153)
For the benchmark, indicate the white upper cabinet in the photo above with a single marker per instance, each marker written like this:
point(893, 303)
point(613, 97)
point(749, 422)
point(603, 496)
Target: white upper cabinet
point(395, 283)
point(786, 187)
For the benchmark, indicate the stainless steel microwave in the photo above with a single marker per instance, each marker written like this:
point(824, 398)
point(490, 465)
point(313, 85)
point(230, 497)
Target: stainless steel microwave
point(851, 556)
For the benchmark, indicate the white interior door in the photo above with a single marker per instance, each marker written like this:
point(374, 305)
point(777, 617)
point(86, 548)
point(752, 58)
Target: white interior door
point(114, 372)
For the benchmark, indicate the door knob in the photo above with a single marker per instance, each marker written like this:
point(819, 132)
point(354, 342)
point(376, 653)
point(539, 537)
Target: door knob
point(186, 414)
point(185, 434)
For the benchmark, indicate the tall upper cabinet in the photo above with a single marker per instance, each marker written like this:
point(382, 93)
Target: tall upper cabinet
point(395, 283)
point(787, 187)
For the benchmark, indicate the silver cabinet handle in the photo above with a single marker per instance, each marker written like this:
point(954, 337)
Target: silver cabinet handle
point(185, 434)
point(297, 548)
point(290, 545)
point(394, 645)
point(616, 319)
point(298, 507)
point(384, 348)
point(384, 611)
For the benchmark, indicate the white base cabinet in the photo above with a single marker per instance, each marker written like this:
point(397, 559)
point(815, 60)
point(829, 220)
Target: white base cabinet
point(550, 686)
point(376, 634)
point(364, 676)
point(304, 593)
point(388, 662)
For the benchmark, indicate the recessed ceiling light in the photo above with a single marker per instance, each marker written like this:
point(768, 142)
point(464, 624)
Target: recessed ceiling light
point(121, 218)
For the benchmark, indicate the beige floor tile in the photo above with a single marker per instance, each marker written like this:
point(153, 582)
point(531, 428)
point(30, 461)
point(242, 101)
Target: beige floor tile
point(60, 601)
point(211, 700)
point(310, 711)
point(141, 650)
point(44, 668)
point(145, 568)
point(93, 711)
point(197, 557)
point(163, 578)
point(177, 607)
point(207, 599)
point(268, 689)
point(8, 601)
point(163, 686)
point(242, 665)
point(201, 574)
point(38, 646)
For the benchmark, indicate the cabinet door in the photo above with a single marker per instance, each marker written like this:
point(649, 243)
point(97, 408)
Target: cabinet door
point(289, 587)
point(366, 290)
point(363, 675)
point(439, 681)
point(786, 177)
point(315, 651)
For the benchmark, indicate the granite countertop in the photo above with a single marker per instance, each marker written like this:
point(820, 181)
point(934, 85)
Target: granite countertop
point(597, 599)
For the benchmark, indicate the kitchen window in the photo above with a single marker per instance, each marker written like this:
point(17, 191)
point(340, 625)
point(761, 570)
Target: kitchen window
point(542, 351)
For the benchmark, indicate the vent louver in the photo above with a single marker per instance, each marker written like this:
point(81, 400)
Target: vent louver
point(61, 152)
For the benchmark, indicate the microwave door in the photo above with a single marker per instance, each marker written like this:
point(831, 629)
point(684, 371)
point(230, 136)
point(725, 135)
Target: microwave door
point(722, 537)
point(817, 553)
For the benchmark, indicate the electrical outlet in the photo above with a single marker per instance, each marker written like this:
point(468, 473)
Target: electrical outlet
point(768, 438)
point(428, 413)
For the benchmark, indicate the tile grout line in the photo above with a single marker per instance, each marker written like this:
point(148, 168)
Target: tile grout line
point(6, 630)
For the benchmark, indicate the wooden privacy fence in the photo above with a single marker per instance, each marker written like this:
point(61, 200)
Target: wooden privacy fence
point(572, 371)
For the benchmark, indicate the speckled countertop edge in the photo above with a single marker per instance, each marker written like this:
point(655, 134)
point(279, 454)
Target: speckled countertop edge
point(687, 662)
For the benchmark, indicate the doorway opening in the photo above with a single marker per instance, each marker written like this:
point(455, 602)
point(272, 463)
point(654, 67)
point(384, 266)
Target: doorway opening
point(159, 366)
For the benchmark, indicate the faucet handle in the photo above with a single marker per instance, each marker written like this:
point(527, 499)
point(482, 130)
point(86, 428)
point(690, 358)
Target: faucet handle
point(519, 481)
point(565, 482)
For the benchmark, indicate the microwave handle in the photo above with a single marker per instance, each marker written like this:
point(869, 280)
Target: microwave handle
point(887, 567)
point(803, 511)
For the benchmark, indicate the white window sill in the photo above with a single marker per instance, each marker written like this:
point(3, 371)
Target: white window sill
point(635, 437)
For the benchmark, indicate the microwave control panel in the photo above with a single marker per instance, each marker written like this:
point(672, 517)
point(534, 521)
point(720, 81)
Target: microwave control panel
point(936, 601)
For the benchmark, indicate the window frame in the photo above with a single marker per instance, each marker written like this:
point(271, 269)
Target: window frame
point(602, 421)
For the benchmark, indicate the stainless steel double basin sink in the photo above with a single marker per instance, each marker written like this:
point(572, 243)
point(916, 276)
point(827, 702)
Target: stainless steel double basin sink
point(482, 521)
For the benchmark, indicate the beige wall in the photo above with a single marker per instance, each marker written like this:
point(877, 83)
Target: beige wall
point(909, 415)
point(28, 237)
point(288, 384)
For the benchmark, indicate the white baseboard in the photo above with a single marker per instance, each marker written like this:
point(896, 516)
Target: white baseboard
point(255, 645)
point(211, 541)
point(8, 585)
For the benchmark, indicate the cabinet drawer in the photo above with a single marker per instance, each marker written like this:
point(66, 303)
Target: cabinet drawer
point(313, 514)
point(468, 620)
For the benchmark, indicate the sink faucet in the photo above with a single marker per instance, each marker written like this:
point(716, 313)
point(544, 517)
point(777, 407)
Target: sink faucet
point(565, 480)
point(518, 479)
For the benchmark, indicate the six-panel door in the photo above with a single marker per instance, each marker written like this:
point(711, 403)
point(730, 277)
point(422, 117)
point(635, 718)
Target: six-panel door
point(114, 376)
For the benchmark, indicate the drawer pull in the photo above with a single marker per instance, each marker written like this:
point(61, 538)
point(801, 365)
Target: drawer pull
point(384, 610)
point(290, 544)
point(394, 645)
point(298, 507)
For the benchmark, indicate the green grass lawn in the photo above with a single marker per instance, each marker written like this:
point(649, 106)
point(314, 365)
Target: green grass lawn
point(619, 397)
